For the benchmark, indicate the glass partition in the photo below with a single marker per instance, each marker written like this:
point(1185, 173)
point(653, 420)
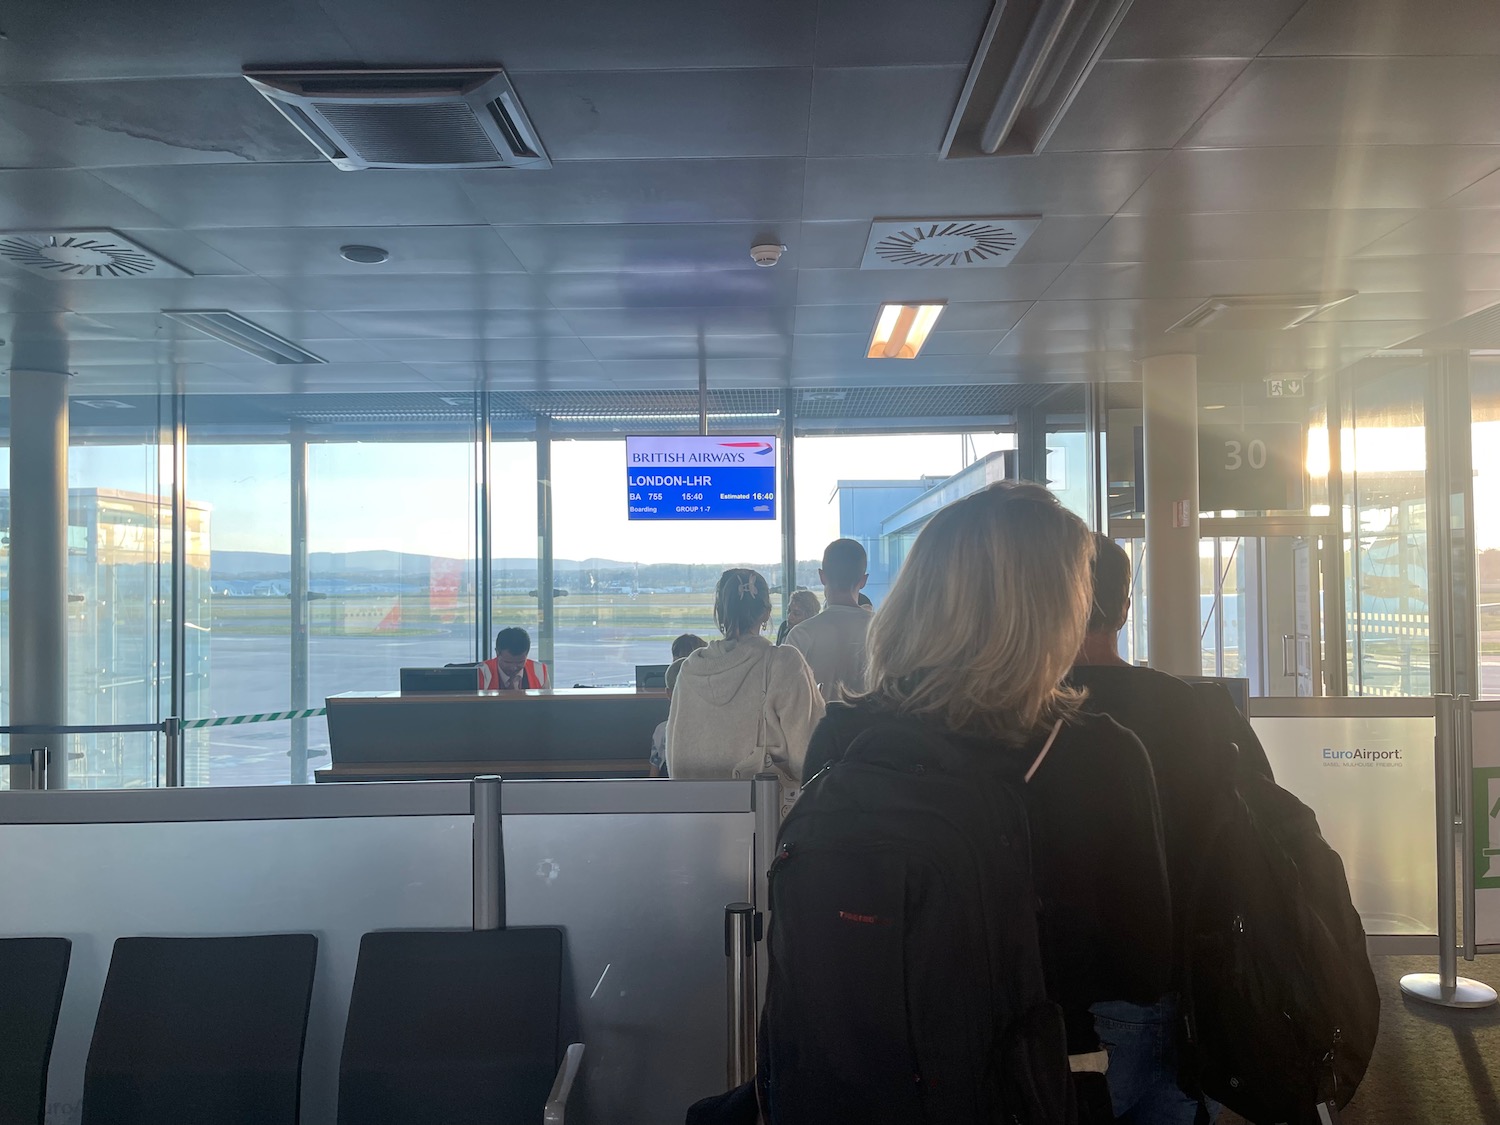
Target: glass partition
point(513, 538)
point(1485, 397)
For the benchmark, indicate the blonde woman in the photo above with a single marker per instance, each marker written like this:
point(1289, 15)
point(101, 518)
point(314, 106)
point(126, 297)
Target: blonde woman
point(742, 705)
point(974, 641)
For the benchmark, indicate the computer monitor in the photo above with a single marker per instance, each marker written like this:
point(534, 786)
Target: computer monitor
point(651, 677)
point(417, 680)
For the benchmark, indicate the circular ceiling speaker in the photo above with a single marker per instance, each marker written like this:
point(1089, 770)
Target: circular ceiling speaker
point(364, 255)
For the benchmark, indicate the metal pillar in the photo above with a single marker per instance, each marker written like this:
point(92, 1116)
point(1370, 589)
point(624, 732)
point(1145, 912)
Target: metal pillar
point(301, 606)
point(1335, 597)
point(484, 566)
point(174, 773)
point(788, 500)
point(1451, 568)
point(1031, 444)
point(489, 854)
point(1170, 398)
point(1093, 429)
point(39, 549)
point(741, 991)
point(546, 626)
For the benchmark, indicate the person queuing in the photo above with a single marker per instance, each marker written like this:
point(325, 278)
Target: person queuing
point(802, 605)
point(974, 641)
point(834, 641)
point(741, 705)
point(510, 669)
point(683, 647)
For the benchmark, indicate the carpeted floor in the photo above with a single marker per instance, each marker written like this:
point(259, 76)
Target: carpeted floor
point(1432, 1066)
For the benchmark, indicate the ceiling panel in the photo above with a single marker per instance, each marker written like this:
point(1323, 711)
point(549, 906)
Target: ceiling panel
point(913, 187)
point(880, 111)
point(579, 35)
point(1433, 307)
point(845, 347)
point(1164, 29)
point(1239, 235)
point(592, 247)
point(852, 287)
point(476, 324)
point(1157, 280)
point(1142, 104)
point(299, 325)
point(891, 33)
point(62, 200)
point(1390, 27)
point(1422, 271)
point(1349, 101)
point(149, 295)
point(164, 121)
point(680, 289)
point(439, 292)
point(293, 195)
point(314, 251)
point(155, 38)
point(835, 245)
point(1311, 179)
point(1441, 232)
point(715, 347)
point(634, 115)
point(1483, 193)
point(641, 191)
point(691, 322)
point(519, 348)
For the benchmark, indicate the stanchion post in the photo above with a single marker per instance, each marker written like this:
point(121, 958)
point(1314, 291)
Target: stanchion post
point(39, 757)
point(1445, 987)
point(1464, 800)
point(739, 952)
point(489, 855)
point(171, 729)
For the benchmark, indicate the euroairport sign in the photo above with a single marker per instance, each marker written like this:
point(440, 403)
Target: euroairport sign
point(701, 478)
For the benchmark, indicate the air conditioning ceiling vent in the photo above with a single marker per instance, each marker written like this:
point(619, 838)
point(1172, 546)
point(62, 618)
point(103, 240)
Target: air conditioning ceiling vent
point(407, 119)
point(946, 243)
point(83, 254)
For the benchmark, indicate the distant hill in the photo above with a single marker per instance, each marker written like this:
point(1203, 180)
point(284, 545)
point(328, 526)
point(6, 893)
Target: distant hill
point(267, 564)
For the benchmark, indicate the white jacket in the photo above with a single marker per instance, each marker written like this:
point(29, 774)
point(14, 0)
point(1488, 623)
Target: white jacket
point(717, 706)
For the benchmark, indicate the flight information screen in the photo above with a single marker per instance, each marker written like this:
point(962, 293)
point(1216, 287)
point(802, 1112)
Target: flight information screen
point(701, 478)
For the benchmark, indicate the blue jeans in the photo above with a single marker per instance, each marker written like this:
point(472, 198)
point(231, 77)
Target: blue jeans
point(1142, 1047)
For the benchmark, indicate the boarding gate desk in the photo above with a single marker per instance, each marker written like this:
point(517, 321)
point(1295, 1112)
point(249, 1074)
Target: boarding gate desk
point(564, 733)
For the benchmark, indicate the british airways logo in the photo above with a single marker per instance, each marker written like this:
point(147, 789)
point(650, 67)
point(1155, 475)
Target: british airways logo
point(727, 453)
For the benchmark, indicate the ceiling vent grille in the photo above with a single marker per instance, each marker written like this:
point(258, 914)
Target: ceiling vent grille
point(78, 254)
point(1259, 312)
point(946, 243)
point(408, 119)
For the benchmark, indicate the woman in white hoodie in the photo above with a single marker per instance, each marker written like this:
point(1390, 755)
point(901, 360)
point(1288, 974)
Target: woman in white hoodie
point(742, 706)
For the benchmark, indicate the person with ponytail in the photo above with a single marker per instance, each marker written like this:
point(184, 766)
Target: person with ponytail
point(742, 705)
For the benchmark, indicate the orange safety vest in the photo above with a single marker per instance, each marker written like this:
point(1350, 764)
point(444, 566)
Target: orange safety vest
point(535, 675)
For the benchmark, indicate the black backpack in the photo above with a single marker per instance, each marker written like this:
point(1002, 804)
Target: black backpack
point(1279, 1008)
point(905, 980)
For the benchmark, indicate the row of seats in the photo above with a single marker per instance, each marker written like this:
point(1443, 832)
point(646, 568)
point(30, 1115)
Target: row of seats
point(445, 1027)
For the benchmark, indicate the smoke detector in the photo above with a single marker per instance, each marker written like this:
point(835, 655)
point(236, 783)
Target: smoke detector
point(766, 253)
point(88, 253)
point(946, 243)
point(428, 119)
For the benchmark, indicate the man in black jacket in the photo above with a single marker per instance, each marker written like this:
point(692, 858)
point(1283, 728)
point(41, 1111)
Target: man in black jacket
point(1189, 732)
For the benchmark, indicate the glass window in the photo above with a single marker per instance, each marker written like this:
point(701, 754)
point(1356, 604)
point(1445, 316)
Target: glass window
point(881, 488)
point(119, 599)
point(1384, 460)
point(243, 491)
point(626, 589)
point(391, 561)
point(513, 538)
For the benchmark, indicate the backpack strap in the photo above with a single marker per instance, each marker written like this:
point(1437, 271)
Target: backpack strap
point(1046, 746)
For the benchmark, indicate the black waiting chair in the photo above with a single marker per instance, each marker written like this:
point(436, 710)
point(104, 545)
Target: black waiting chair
point(457, 1027)
point(201, 1029)
point(34, 971)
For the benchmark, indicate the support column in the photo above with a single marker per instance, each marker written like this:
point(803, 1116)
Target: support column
point(1170, 397)
point(788, 500)
point(39, 549)
point(300, 605)
point(546, 626)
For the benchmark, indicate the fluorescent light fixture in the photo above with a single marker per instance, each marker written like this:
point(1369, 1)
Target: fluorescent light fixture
point(1318, 510)
point(901, 330)
point(246, 335)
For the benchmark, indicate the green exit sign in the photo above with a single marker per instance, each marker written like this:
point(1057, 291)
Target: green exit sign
point(1280, 387)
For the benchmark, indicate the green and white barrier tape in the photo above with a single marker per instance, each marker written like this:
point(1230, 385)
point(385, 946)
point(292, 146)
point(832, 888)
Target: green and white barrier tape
point(262, 717)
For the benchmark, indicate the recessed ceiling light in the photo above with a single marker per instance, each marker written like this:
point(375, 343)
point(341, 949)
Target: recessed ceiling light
point(901, 330)
point(364, 255)
point(1214, 406)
